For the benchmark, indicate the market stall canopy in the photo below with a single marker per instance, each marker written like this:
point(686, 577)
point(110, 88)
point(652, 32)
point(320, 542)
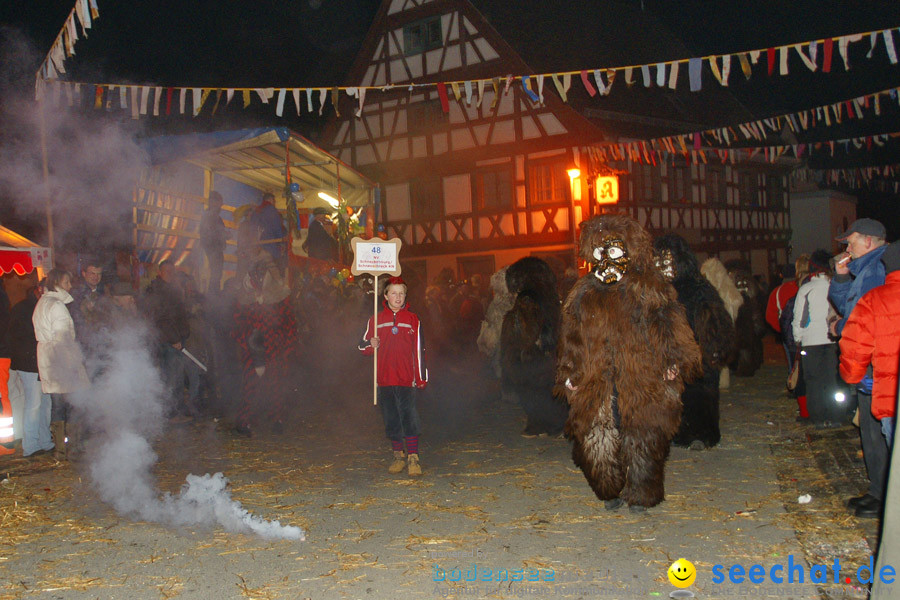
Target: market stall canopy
point(22, 261)
point(258, 157)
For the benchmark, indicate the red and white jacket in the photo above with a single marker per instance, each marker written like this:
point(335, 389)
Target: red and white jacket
point(401, 352)
point(872, 336)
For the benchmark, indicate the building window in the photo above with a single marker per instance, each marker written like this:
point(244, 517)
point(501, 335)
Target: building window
point(775, 191)
point(748, 189)
point(715, 185)
point(548, 182)
point(493, 188)
point(484, 266)
point(680, 185)
point(646, 183)
point(422, 35)
point(427, 197)
point(425, 117)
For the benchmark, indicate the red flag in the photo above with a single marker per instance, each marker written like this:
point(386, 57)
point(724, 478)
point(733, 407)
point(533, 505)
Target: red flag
point(826, 63)
point(442, 93)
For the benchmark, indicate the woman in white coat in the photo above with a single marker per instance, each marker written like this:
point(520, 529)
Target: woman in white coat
point(825, 396)
point(60, 362)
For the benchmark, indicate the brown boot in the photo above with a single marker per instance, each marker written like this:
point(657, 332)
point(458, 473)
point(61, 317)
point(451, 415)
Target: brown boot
point(73, 440)
point(414, 469)
point(58, 430)
point(399, 462)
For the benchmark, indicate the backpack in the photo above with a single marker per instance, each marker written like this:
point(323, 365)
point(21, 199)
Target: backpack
point(786, 321)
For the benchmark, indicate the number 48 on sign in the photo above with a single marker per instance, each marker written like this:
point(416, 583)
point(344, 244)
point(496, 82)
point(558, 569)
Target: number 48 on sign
point(375, 256)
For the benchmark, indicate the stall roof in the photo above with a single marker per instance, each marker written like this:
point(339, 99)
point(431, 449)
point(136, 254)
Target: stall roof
point(257, 157)
point(8, 237)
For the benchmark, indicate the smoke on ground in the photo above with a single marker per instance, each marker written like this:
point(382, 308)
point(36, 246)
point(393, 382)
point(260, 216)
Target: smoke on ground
point(124, 409)
point(93, 165)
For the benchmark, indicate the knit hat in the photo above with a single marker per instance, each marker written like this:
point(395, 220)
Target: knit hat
point(820, 262)
point(891, 257)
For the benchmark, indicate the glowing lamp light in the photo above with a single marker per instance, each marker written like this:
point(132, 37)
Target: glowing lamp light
point(329, 199)
point(840, 397)
point(607, 187)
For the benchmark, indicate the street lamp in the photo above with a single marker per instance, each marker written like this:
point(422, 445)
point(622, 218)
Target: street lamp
point(574, 173)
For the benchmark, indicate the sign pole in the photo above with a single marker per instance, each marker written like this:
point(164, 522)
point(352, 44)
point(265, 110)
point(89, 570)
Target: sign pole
point(375, 325)
point(375, 257)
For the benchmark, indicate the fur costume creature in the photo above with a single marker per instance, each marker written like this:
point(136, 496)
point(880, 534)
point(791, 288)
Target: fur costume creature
point(716, 273)
point(714, 333)
point(750, 325)
point(528, 345)
point(489, 336)
point(625, 350)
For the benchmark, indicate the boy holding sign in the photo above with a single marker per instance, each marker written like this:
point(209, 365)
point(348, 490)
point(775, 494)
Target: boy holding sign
point(401, 370)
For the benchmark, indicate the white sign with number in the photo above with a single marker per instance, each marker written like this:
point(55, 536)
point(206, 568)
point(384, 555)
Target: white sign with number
point(375, 256)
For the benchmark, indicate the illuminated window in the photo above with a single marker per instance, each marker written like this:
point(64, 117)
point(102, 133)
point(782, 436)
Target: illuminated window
point(548, 182)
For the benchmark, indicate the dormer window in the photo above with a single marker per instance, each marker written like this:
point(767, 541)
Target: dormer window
point(422, 35)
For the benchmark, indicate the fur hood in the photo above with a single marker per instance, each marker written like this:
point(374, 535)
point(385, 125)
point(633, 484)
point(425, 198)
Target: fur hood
point(718, 276)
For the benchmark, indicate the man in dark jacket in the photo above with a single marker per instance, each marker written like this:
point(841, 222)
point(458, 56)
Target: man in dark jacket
point(857, 270)
point(23, 355)
point(319, 242)
point(165, 307)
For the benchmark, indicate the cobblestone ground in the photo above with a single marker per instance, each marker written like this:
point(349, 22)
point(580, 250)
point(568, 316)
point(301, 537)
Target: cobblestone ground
point(496, 515)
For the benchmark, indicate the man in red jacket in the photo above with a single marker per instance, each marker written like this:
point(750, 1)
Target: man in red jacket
point(871, 336)
point(401, 371)
point(777, 301)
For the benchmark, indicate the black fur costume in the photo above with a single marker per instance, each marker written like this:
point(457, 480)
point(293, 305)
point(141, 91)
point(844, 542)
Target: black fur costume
point(528, 345)
point(714, 332)
point(750, 326)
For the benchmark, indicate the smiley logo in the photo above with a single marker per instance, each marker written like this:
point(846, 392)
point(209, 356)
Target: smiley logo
point(682, 573)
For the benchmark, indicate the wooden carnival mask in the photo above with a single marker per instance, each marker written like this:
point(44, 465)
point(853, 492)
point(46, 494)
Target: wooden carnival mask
point(665, 262)
point(610, 260)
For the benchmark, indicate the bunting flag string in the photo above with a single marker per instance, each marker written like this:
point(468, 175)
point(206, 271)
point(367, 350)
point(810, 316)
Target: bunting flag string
point(757, 131)
point(83, 13)
point(884, 178)
point(690, 149)
point(661, 74)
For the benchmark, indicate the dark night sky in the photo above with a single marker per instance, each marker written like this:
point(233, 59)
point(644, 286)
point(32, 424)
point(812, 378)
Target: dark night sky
point(297, 43)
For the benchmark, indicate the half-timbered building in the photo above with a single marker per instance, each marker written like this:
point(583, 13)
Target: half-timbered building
point(489, 172)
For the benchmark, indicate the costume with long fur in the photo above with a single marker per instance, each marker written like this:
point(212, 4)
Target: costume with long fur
point(716, 273)
point(714, 332)
point(489, 337)
point(528, 341)
point(625, 350)
point(749, 325)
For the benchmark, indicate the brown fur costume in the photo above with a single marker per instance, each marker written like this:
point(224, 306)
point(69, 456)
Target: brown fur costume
point(619, 343)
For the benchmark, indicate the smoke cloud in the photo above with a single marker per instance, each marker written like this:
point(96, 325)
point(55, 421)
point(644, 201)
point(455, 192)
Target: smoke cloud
point(124, 409)
point(94, 164)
